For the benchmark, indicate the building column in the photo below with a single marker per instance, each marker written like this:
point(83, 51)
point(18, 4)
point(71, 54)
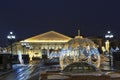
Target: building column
point(48, 52)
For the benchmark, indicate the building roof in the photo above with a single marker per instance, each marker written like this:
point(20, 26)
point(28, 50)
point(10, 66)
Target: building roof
point(50, 36)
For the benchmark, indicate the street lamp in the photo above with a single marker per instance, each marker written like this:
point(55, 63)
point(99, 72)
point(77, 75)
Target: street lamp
point(11, 38)
point(108, 36)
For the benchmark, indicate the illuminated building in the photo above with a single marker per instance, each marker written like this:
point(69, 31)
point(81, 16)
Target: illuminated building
point(48, 43)
point(43, 44)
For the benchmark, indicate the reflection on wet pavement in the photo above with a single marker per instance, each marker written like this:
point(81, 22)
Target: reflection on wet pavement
point(20, 72)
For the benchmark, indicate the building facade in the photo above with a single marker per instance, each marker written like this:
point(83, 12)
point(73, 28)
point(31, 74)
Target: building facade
point(48, 43)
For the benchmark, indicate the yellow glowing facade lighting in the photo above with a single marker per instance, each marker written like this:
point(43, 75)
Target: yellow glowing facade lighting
point(45, 41)
point(50, 36)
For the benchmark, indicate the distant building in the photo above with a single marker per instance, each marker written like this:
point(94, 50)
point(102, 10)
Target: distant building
point(96, 40)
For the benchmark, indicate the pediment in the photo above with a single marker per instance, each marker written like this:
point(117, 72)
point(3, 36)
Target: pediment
point(50, 36)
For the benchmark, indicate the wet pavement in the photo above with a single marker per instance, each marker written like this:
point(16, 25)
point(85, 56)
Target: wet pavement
point(32, 71)
point(23, 72)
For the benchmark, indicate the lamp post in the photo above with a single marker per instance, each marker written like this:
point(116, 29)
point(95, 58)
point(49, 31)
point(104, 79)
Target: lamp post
point(109, 36)
point(11, 38)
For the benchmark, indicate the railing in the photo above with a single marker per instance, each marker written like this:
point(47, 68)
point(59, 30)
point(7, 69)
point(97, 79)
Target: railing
point(77, 77)
point(90, 77)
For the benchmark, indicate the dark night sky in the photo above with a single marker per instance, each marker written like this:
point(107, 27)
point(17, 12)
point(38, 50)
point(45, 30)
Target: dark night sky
point(26, 17)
